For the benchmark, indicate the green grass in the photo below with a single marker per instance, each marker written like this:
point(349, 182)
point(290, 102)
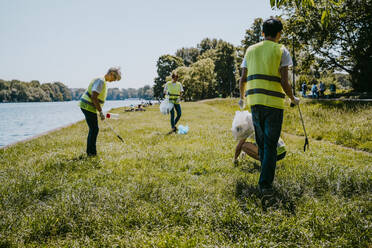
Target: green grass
point(342, 123)
point(183, 190)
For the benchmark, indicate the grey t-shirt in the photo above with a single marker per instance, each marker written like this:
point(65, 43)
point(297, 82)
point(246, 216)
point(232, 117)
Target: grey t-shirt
point(98, 85)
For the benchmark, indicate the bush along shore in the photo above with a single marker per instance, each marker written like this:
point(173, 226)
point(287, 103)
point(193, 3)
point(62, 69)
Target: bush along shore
point(157, 190)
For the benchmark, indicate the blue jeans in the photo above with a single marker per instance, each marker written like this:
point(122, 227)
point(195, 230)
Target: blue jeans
point(92, 121)
point(267, 123)
point(178, 110)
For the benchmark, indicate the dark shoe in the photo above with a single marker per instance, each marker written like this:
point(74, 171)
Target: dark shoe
point(267, 197)
point(266, 192)
point(174, 130)
point(92, 154)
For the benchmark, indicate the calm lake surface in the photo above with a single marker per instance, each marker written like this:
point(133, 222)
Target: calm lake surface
point(19, 121)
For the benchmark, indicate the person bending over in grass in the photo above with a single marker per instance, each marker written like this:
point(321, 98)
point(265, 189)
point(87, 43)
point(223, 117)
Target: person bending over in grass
point(92, 102)
point(251, 148)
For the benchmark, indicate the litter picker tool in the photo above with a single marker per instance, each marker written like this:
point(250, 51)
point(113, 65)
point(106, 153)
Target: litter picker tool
point(117, 135)
point(303, 125)
point(294, 93)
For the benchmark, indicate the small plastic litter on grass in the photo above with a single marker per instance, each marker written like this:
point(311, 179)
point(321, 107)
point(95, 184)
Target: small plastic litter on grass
point(183, 129)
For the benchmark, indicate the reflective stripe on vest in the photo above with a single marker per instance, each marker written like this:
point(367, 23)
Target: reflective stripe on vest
point(263, 79)
point(174, 91)
point(86, 100)
point(99, 100)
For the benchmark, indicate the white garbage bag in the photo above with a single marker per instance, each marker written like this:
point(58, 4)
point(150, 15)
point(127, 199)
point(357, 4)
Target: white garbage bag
point(242, 125)
point(165, 106)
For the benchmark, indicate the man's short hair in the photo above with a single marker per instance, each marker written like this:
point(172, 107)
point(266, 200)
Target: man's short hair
point(272, 26)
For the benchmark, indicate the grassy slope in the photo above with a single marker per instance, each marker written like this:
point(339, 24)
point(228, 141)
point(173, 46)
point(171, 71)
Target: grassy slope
point(180, 190)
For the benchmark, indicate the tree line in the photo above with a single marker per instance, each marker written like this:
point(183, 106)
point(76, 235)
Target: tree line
point(145, 92)
point(34, 91)
point(330, 41)
point(208, 70)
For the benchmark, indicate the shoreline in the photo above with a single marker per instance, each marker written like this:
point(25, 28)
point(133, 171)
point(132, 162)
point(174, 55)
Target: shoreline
point(38, 135)
point(6, 146)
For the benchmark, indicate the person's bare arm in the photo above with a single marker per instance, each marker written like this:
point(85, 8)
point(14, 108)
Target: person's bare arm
point(95, 101)
point(251, 150)
point(285, 83)
point(242, 82)
point(238, 149)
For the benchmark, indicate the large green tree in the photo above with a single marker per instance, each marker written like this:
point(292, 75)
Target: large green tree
point(337, 34)
point(224, 57)
point(199, 80)
point(225, 68)
point(165, 65)
point(189, 55)
point(253, 35)
point(207, 44)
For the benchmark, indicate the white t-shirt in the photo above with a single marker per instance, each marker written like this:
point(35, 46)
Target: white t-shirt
point(286, 59)
point(97, 85)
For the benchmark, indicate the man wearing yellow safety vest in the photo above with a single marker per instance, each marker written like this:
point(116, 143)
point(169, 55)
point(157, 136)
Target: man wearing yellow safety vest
point(173, 90)
point(265, 72)
point(92, 101)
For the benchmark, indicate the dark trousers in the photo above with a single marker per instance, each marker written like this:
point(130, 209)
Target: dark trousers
point(267, 125)
point(92, 122)
point(178, 110)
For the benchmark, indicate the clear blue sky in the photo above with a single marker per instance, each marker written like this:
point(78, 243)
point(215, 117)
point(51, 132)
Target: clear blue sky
point(73, 41)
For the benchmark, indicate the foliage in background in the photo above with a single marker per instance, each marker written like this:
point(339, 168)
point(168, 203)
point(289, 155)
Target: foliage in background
point(17, 91)
point(145, 92)
point(189, 55)
point(221, 53)
point(165, 65)
point(335, 35)
point(199, 80)
point(253, 35)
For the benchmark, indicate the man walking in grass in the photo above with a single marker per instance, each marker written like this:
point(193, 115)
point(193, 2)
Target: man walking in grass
point(265, 72)
point(92, 101)
point(173, 90)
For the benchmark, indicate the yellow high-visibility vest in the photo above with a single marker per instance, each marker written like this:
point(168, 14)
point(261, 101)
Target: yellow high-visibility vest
point(174, 91)
point(264, 79)
point(86, 100)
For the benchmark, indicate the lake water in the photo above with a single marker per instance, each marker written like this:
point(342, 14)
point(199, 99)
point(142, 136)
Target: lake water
point(19, 121)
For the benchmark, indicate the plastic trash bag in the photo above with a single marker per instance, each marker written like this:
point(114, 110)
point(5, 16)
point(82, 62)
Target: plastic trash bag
point(183, 129)
point(242, 125)
point(165, 106)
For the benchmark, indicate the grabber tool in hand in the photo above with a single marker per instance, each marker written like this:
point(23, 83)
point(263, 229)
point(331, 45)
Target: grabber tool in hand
point(117, 135)
point(303, 125)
